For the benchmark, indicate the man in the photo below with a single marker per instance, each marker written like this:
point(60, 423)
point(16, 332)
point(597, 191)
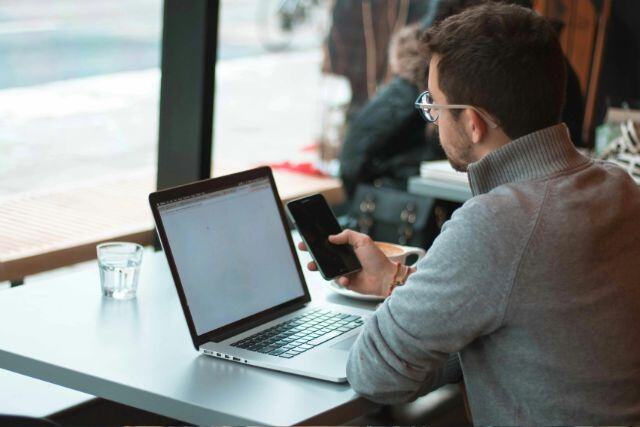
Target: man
point(534, 281)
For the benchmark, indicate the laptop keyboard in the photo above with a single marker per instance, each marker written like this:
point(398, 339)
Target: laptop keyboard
point(302, 333)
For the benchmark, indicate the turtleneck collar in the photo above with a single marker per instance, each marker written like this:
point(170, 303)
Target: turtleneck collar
point(537, 155)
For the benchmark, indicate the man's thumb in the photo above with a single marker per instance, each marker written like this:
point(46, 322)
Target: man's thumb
point(340, 238)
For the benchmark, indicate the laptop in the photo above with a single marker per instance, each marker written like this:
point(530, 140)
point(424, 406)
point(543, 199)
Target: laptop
point(240, 282)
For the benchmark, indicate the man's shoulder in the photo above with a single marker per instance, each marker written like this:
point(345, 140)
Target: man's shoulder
point(509, 204)
point(616, 174)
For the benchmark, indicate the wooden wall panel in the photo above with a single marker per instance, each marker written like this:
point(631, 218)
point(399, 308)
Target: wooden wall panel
point(578, 34)
point(583, 40)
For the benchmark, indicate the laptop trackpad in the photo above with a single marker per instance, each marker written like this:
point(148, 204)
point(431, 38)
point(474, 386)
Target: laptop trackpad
point(345, 344)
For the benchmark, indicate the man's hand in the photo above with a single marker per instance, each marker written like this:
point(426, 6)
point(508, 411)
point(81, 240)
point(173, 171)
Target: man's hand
point(377, 271)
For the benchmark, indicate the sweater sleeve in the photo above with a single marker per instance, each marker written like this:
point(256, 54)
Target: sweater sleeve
point(458, 293)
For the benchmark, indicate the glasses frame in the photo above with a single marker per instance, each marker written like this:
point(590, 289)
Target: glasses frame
point(425, 108)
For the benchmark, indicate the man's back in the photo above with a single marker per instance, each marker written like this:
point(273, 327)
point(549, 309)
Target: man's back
point(535, 283)
point(573, 316)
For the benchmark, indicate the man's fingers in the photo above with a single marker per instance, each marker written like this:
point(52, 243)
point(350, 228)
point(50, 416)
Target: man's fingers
point(312, 266)
point(302, 246)
point(343, 281)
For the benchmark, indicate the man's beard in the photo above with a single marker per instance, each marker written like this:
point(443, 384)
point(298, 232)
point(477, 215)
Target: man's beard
point(463, 152)
point(458, 166)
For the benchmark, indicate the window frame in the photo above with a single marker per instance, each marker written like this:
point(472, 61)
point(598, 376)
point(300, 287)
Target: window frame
point(187, 91)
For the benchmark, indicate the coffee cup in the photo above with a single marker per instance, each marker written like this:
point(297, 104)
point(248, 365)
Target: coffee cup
point(401, 254)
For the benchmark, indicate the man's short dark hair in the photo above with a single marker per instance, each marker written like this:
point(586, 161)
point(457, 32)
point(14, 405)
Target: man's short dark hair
point(447, 8)
point(505, 59)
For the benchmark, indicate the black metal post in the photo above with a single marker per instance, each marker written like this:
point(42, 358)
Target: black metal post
point(189, 42)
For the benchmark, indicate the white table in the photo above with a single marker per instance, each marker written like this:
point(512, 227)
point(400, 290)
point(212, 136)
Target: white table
point(439, 189)
point(139, 353)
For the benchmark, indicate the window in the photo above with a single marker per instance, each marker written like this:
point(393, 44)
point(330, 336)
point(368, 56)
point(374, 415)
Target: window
point(79, 98)
point(291, 74)
point(268, 82)
point(79, 87)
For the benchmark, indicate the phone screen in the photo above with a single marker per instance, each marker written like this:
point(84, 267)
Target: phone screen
point(315, 222)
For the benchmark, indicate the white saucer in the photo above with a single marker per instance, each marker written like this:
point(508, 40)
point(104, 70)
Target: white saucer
point(352, 294)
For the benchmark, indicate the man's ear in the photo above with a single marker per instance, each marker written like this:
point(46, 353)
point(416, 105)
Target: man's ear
point(476, 126)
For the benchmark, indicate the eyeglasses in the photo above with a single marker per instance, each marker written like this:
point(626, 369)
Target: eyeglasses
point(425, 104)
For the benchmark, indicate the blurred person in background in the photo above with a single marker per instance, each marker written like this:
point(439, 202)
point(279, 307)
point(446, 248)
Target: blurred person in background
point(386, 140)
point(357, 43)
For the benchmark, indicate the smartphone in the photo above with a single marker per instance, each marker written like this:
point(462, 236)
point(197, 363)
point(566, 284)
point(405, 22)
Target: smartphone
point(315, 221)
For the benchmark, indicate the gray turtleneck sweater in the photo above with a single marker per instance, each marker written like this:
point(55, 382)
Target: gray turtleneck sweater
point(535, 281)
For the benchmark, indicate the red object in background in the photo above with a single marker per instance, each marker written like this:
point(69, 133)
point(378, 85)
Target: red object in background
point(306, 168)
point(310, 148)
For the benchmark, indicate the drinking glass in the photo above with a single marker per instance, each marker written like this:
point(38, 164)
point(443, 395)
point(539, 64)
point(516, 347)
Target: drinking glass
point(119, 264)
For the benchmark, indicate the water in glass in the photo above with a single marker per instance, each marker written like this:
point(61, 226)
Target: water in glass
point(119, 269)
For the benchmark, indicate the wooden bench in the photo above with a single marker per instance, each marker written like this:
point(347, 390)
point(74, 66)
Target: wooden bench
point(43, 230)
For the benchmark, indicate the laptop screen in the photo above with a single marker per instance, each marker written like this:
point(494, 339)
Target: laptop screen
point(231, 253)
